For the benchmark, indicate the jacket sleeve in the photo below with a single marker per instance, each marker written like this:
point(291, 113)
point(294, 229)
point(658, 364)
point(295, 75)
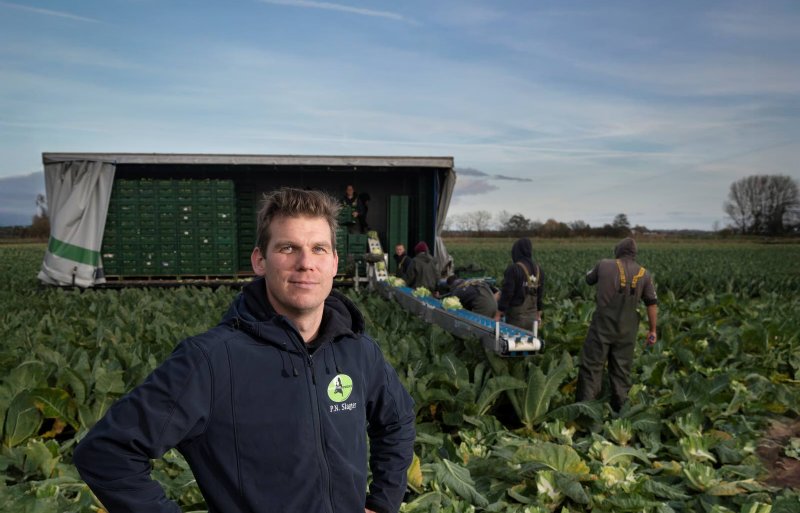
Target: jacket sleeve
point(390, 417)
point(591, 276)
point(411, 274)
point(649, 293)
point(540, 290)
point(171, 405)
point(507, 290)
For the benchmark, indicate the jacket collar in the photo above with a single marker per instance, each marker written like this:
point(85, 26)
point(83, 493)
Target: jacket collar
point(252, 312)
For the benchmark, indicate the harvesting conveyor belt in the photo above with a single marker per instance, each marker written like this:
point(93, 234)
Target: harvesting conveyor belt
point(504, 339)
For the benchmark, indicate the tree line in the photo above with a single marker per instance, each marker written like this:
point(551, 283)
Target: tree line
point(484, 223)
point(756, 205)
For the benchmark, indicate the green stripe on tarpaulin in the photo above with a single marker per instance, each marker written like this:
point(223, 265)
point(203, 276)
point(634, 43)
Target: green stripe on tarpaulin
point(74, 253)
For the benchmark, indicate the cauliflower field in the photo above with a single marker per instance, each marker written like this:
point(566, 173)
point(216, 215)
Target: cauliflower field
point(493, 434)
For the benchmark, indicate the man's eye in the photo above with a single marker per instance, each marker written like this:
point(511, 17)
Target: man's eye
point(320, 249)
point(286, 249)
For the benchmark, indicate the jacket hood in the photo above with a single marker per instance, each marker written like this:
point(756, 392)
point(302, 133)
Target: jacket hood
point(252, 312)
point(522, 251)
point(626, 248)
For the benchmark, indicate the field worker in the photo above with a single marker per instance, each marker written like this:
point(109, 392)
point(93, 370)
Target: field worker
point(523, 285)
point(423, 270)
point(273, 407)
point(621, 284)
point(403, 261)
point(358, 210)
point(474, 295)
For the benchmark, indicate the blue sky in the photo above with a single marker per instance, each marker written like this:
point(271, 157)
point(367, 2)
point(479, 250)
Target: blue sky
point(596, 108)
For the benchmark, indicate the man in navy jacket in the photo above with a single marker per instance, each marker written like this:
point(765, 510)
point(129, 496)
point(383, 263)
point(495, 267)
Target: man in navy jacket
point(274, 407)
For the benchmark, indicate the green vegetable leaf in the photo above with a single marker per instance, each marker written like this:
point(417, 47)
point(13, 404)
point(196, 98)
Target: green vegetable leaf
point(458, 479)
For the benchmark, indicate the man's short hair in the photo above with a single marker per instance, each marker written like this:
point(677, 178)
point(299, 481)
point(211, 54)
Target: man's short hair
point(291, 202)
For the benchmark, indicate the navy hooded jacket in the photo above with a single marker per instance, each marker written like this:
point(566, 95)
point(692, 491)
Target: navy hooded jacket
point(265, 425)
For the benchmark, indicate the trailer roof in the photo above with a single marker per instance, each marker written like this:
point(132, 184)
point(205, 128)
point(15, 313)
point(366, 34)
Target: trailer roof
point(226, 159)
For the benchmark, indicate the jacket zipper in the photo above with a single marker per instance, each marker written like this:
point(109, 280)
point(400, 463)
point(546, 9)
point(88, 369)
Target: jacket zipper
point(325, 474)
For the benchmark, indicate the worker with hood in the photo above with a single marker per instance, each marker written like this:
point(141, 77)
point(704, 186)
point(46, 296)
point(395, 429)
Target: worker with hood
point(523, 286)
point(621, 284)
point(423, 271)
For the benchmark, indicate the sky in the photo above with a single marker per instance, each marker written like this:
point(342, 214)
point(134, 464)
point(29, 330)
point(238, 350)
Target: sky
point(572, 110)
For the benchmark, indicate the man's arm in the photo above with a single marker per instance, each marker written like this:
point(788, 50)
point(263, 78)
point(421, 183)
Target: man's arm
point(591, 276)
point(171, 405)
point(540, 295)
point(390, 417)
point(652, 318)
point(651, 301)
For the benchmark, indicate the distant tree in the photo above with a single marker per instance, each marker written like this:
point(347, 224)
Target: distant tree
point(580, 228)
point(41, 205)
point(517, 223)
point(40, 225)
point(621, 221)
point(763, 204)
point(481, 220)
point(553, 228)
point(621, 226)
point(502, 219)
point(639, 229)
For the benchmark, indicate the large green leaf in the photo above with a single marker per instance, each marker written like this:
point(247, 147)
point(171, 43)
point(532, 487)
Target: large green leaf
point(27, 375)
point(23, 420)
point(55, 403)
point(108, 381)
point(542, 388)
point(494, 387)
point(569, 486)
point(561, 458)
point(41, 458)
point(457, 478)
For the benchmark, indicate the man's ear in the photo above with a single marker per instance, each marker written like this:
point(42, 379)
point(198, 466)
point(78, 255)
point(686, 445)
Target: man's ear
point(257, 261)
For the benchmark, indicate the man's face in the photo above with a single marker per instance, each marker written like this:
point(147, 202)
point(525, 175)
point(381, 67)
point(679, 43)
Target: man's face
point(349, 191)
point(399, 250)
point(299, 265)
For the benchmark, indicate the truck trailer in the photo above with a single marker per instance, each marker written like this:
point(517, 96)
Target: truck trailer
point(126, 217)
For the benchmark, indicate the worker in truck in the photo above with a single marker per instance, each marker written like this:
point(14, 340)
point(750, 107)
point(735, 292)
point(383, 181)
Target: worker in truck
point(621, 284)
point(523, 286)
point(474, 295)
point(357, 208)
point(274, 407)
point(423, 270)
point(403, 261)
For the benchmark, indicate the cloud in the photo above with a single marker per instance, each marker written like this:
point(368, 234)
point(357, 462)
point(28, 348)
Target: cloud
point(512, 178)
point(342, 8)
point(470, 187)
point(468, 171)
point(48, 12)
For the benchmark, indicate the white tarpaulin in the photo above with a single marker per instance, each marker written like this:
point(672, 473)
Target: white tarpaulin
point(78, 194)
point(445, 193)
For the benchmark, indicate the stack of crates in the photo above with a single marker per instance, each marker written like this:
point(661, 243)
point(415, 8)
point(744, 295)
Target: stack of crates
point(246, 214)
point(357, 246)
point(341, 249)
point(170, 228)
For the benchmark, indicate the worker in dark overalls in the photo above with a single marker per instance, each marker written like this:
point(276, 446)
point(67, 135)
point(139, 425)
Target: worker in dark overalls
point(523, 285)
point(474, 295)
point(621, 284)
point(423, 271)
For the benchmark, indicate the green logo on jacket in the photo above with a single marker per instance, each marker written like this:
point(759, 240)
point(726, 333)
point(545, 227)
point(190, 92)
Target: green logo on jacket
point(340, 387)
